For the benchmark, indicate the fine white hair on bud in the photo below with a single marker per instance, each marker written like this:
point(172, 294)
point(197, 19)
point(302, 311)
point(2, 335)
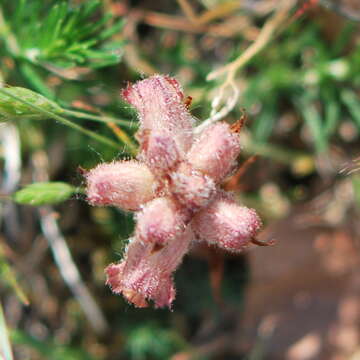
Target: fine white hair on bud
point(160, 153)
point(226, 224)
point(192, 189)
point(174, 188)
point(159, 222)
point(215, 151)
point(146, 271)
point(160, 104)
point(126, 184)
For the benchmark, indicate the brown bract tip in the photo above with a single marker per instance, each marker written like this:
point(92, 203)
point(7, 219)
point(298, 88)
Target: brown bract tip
point(238, 125)
point(263, 243)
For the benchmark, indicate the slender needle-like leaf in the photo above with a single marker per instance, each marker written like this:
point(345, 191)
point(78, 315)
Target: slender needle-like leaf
point(99, 118)
point(65, 121)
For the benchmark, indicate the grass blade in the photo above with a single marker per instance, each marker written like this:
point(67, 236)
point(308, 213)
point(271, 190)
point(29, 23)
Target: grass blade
point(5, 348)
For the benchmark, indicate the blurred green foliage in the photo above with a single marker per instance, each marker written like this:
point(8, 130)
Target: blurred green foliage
point(49, 350)
point(58, 35)
point(153, 342)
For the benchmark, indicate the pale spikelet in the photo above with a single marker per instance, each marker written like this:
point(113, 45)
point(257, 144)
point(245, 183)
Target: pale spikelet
point(159, 101)
point(159, 222)
point(226, 224)
point(215, 151)
point(126, 184)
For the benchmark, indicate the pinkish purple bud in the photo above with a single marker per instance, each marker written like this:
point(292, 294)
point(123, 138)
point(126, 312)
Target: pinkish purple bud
point(160, 153)
point(215, 151)
point(115, 274)
point(159, 101)
point(159, 222)
point(126, 184)
point(173, 187)
point(146, 272)
point(226, 224)
point(191, 188)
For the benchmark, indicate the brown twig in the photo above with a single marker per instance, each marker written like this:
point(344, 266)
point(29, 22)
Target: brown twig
point(216, 271)
point(62, 254)
point(233, 25)
point(220, 108)
point(263, 243)
point(219, 11)
point(131, 54)
point(267, 32)
point(188, 10)
point(226, 29)
point(176, 23)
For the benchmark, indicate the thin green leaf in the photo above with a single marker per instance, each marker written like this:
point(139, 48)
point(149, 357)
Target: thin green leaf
point(89, 7)
point(332, 117)
point(55, 34)
point(264, 124)
point(13, 103)
point(8, 277)
point(351, 100)
point(56, 116)
point(36, 80)
point(44, 193)
point(99, 118)
point(117, 27)
point(331, 112)
point(313, 121)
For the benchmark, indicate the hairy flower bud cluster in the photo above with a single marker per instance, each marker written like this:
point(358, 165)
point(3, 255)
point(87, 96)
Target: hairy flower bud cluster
point(174, 188)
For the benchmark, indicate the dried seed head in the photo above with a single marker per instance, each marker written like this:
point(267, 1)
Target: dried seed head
point(191, 188)
point(126, 184)
point(227, 224)
point(159, 222)
point(159, 101)
point(215, 151)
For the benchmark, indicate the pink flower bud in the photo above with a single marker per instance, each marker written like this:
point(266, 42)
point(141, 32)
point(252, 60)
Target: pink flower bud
point(159, 222)
point(126, 184)
point(226, 224)
point(215, 151)
point(160, 153)
point(191, 188)
point(159, 101)
point(146, 273)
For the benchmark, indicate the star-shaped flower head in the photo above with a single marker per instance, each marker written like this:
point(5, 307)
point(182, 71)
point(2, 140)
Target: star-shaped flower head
point(173, 187)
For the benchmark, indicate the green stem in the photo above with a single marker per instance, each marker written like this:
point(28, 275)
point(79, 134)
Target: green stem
point(65, 121)
point(104, 119)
